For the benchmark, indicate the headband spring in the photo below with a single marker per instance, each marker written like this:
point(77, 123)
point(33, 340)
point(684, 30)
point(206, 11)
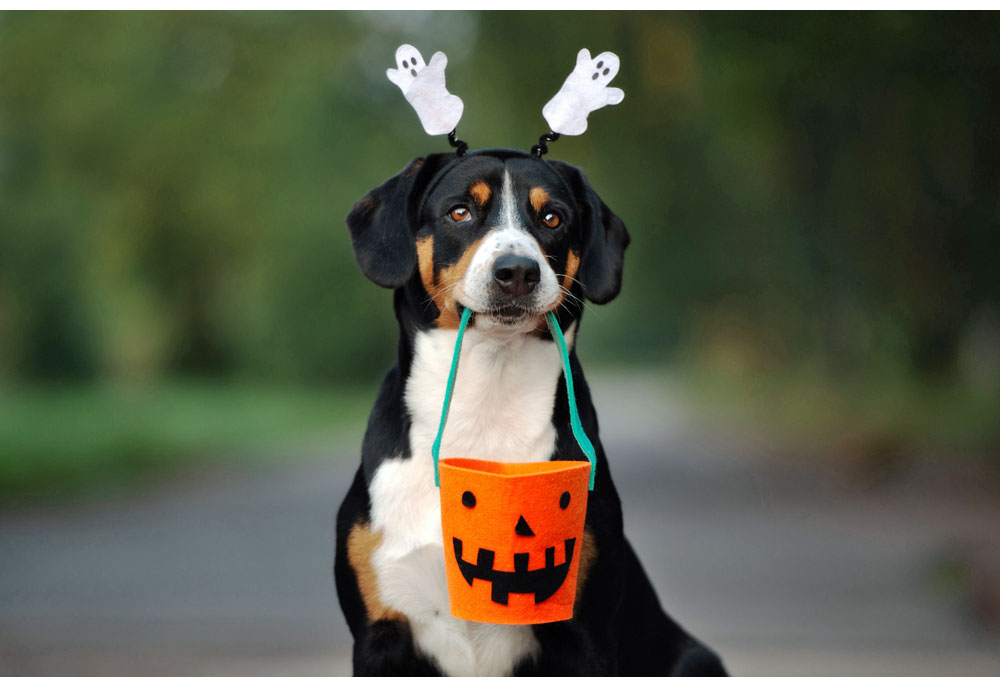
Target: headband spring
point(542, 148)
point(459, 145)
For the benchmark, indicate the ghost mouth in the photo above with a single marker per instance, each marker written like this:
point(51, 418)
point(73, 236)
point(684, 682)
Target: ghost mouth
point(543, 583)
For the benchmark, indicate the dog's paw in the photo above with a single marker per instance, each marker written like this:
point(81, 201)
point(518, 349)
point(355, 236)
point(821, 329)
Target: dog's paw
point(586, 89)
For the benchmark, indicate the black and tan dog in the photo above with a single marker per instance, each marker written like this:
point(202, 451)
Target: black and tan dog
point(509, 236)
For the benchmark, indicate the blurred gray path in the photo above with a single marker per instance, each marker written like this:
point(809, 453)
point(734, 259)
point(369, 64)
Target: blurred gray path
point(779, 566)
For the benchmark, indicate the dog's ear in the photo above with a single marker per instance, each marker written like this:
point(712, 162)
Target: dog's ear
point(384, 222)
point(604, 238)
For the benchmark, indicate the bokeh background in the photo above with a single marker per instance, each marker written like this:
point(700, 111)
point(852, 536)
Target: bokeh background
point(802, 374)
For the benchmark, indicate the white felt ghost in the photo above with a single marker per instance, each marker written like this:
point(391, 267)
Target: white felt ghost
point(585, 90)
point(423, 86)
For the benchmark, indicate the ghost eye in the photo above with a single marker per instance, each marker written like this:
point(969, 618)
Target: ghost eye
point(469, 499)
point(460, 213)
point(551, 220)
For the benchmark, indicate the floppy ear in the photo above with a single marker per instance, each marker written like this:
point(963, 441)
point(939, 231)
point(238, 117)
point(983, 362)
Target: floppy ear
point(604, 239)
point(384, 222)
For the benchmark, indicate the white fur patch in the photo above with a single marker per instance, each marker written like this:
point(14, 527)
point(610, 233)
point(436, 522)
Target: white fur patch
point(501, 410)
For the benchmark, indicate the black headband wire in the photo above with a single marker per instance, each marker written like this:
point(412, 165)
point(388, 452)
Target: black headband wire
point(542, 148)
point(459, 145)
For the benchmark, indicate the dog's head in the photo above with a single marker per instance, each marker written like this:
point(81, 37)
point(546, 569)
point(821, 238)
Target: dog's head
point(506, 234)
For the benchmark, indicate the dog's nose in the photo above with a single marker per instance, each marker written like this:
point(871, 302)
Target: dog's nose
point(516, 274)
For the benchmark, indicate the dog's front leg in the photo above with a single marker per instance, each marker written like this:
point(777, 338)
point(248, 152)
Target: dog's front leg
point(383, 638)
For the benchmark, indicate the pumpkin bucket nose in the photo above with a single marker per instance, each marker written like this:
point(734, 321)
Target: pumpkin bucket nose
point(523, 529)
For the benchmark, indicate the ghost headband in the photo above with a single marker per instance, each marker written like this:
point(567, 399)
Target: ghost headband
point(584, 91)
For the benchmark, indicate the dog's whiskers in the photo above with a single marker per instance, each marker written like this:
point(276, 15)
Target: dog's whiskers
point(442, 289)
point(576, 298)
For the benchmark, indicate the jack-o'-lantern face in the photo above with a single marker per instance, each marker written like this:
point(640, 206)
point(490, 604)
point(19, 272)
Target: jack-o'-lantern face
point(512, 536)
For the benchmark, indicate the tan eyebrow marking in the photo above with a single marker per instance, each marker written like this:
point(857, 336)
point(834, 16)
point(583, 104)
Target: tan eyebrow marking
point(538, 197)
point(481, 192)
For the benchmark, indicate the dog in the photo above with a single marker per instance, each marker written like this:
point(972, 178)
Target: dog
point(510, 236)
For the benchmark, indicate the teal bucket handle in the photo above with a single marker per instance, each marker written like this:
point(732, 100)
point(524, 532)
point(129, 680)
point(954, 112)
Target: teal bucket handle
point(574, 415)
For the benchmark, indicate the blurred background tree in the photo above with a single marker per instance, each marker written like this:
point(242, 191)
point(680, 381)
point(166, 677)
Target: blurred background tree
point(811, 196)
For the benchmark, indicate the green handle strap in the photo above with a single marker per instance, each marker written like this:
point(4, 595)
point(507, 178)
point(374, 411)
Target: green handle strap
point(574, 416)
point(436, 446)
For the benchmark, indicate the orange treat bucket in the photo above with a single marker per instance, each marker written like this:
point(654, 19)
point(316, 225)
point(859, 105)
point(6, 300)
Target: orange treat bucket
point(513, 532)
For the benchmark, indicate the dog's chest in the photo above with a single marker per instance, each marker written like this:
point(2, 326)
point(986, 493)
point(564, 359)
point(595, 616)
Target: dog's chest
point(501, 410)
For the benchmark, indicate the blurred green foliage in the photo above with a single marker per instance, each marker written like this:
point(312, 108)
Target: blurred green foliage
point(94, 440)
point(804, 190)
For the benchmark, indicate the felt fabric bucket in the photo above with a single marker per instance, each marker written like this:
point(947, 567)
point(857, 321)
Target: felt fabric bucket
point(513, 532)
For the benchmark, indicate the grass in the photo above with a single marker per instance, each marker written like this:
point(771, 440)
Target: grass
point(62, 442)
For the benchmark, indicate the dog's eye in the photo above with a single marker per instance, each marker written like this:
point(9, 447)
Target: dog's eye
point(460, 213)
point(551, 220)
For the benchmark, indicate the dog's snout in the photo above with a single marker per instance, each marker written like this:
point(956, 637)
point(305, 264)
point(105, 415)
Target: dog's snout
point(516, 275)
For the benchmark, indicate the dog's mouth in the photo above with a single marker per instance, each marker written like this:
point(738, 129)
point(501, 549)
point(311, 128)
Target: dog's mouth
point(543, 583)
point(511, 313)
point(508, 315)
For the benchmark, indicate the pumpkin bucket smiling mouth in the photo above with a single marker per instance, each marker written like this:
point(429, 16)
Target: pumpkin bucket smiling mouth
point(543, 583)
